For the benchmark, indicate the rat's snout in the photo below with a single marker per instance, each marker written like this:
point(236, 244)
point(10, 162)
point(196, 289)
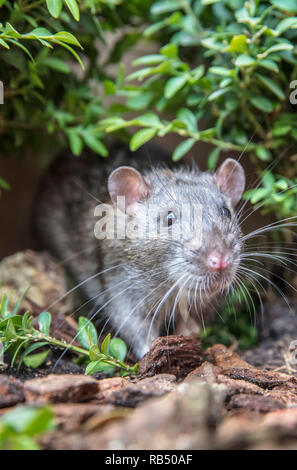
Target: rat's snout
point(217, 261)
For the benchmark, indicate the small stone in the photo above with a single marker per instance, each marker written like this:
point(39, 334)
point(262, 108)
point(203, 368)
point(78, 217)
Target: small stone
point(173, 354)
point(235, 387)
point(224, 357)
point(287, 398)
point(262, 378)
point(61, 389)
point(39, 273)
point(134, 393)
point(108, 386)
point(11, 391)
point(70, 416)
point(262, 404)
point(207, 372)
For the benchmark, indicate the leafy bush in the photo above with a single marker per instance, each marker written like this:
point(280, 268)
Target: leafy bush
point(224, 74)
point(50, 51)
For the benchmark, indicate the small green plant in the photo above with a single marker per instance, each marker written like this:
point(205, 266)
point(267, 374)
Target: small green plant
point(20, 427)
point(235, 325)
point(20, 339)
point(277, 194)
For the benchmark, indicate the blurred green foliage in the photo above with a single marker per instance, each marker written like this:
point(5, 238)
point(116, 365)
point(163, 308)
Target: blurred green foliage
point(236, 323)
point(20, 427)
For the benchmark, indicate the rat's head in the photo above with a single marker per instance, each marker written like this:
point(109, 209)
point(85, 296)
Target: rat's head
point(186, 223)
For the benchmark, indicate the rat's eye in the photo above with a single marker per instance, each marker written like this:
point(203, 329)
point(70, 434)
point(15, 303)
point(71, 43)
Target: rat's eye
point(169, 219)
point(225, 211)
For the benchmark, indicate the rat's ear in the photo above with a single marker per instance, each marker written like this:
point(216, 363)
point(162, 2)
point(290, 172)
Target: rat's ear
point(127, 182)
point(230, 179)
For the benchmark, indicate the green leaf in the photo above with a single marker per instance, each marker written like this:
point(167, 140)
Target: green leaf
point(109, 87)
point(164, 6)
point(140, 102)
point(95, 144)
point(238, 44)
point(39, 33)
point(36, 360)
point(259, 194)
point(57, 64)
point(11, 31)
point(263, 153)
point(285, 5)
point(44, 322)
point(17, 351)
point(213, 44)
point(105, 345)
point(75, 141)
point(141, 137)
point(29, 420)
point(84, 326)
point(222, 71)
point(268, 64)
point(149, 119)
point(275, 48)
point(287, 23)
point(64, 36)
point(262, 103)
point(218, 93)
point(30, 349)
point(4, 44)
point(244, 61)
point(149, 60)
point(99, 366)
point(282, 184)
point(182, 149)
point(73, 7)
point(4, 185)
point(118, 348)
point(173, 85)
point(54, 7)
point(15, 319)
point(10, 332)
point(272, 86)
point(268, 180)
point(95, 354)
point(170, 50)
point(188, 118)
point(280, 130)
point(213, 158)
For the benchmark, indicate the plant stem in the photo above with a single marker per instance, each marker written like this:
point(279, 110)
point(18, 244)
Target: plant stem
point(37, 336)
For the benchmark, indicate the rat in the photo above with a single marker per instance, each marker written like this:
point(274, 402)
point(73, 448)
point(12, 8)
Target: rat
point(145, 284)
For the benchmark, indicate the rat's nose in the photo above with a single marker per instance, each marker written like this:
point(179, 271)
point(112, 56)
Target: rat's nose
point(216, 261)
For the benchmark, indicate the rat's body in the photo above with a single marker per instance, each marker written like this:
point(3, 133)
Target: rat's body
point(147, 283)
